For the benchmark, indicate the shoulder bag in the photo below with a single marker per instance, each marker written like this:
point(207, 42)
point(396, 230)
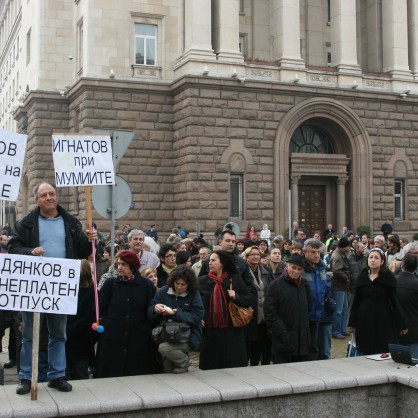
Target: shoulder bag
point(170, 331)
point(240, 316)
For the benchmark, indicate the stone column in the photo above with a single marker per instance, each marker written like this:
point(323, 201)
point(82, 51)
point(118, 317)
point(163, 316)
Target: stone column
point(294, 191)
point(344, 36)
point(395, 38)
point(198, 30)
point(226, 30)
point(286, 30)
point(413, 39)
point(341, 203)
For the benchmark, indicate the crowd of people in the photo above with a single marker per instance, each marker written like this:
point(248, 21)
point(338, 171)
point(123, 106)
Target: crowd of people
point(302, 291)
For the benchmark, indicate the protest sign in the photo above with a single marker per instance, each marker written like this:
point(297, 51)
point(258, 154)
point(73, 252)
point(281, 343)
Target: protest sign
point(39, 284)
point(12, 154)
point(82, 160)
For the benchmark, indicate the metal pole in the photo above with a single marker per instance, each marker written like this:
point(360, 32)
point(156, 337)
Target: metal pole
point(289, 211)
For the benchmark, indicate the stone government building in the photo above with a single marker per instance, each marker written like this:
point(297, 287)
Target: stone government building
point(238, 108)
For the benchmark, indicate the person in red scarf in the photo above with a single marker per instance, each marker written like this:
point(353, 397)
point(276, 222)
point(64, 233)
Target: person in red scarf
point(286, 308)
point(223, 346)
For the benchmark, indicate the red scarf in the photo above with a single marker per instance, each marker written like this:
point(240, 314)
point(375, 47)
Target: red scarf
point(127, 279)
point(218, 307)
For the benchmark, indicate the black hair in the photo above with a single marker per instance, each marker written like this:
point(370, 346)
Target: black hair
point(409, 263)
point(182, 257)
point(165, 248)
point(227, 261)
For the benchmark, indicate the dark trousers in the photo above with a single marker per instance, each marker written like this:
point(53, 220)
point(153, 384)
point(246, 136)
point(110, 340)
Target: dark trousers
point(259, 348)
point(313, 336)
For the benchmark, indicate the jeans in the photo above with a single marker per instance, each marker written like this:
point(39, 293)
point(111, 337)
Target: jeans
point(56, 345)
point(324, 340)
point(340, 315)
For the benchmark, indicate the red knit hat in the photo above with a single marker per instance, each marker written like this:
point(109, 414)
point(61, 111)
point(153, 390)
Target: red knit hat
point(130, 258)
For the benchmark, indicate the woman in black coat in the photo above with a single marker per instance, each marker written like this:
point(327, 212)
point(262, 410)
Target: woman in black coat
point(375, 317)
point(125, 347)
point(79, 345)
point(223, 345)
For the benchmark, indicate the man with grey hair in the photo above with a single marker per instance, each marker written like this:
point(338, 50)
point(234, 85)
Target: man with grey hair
point(314, 273)
point(204, 253)
point(148, 260)
point(379, 241)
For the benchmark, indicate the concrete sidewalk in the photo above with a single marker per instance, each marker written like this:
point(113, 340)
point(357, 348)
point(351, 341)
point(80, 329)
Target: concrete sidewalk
point(338, 349)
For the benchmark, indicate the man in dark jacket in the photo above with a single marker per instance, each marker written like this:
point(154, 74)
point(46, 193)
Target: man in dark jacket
point(286, 310)
point(341, 278)
point(407, 295)
point(50, 231)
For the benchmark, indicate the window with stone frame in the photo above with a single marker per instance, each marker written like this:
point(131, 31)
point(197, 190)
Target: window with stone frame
point(145, 44)
point(236, 193)
point(28, 51)
point(399, 199)
point(80, 44)
point(310, 139)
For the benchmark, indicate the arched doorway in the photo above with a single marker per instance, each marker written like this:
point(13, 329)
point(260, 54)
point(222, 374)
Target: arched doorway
point(338, 171)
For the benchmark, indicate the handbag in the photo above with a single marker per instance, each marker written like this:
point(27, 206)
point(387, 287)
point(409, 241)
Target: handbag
point(240, 316)
point(170, 331)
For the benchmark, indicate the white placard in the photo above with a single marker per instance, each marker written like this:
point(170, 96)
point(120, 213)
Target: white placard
point(12, 154)
point(39, 284)
point(82, 160)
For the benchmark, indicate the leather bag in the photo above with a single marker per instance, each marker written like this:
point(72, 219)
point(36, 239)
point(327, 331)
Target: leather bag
point(240, 316)
point(171, 332)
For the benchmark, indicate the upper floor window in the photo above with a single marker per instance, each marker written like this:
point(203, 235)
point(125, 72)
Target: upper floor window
point(311, 140)
point(145, 44)
point(28, 47)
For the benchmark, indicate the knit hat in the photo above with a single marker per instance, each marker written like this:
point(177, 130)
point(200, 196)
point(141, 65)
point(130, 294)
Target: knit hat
point(343, 242)
point(296, 259)
point(130, 258)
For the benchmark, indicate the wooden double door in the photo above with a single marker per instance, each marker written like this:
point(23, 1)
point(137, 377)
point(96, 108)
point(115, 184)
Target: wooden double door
point(311, 203)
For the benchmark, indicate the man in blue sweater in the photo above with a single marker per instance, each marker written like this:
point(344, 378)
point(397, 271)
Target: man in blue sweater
point(49, 231)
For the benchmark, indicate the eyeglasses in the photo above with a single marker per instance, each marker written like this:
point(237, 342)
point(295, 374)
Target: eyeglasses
point(254, 254)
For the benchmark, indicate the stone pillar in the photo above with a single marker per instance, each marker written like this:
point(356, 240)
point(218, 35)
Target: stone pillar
point(286, 29)
point(294, 191)
point(395, 38)
point(374, 35)
point(198, 30)
point(341, 203)
point(226, 30)
point(413, 37)
point(344, 36)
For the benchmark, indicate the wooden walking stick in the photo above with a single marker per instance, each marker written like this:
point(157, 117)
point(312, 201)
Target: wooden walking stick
point(35, 356)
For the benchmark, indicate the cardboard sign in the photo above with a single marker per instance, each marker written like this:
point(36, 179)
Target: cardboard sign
point(39, 284)
point(82, 160)
point(12, 154)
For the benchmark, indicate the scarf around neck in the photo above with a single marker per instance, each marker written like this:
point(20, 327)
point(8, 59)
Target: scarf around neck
point(218, 307)
point(297, 281)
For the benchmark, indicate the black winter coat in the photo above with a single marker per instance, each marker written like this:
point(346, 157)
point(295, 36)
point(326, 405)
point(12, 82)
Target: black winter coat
point(79, 344)
point(407, 295)
point(125, 347)
point(26, 235)
point(286, 310)
point(224, 347)
point(375, 314)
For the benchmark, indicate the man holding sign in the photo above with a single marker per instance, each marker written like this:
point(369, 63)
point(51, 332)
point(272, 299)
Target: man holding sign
point(49, 231)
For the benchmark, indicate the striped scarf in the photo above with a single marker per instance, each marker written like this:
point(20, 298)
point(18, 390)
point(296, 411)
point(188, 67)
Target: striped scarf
point(218, 307)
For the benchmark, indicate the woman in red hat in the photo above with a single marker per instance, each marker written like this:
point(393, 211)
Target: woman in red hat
point(125, 347)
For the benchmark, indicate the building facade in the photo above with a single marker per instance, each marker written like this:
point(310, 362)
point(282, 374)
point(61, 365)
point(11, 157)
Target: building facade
point(257, 111)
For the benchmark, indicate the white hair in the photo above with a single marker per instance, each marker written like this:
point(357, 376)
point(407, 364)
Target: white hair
point(153, 246)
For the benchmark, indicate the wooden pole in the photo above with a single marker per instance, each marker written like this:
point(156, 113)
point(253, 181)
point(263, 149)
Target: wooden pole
point(87, 191)
point(35, 356)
